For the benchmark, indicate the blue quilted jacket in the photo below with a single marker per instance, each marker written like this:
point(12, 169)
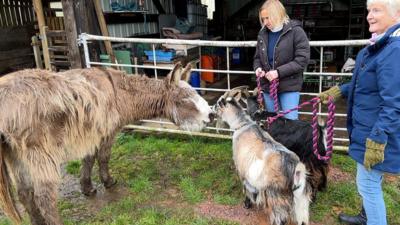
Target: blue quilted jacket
point(373, 98)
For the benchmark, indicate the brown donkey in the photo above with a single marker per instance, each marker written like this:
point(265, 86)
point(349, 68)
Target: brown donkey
point(48, 118)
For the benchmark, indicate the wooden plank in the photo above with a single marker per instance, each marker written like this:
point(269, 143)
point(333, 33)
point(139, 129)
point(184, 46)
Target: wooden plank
point(8, 14)
point(12, 13)
point(71, 34)
point(2, 15)
point(24, 11)
point(36, 52)
point(15, 53)
point(14, 8)
point(42, 27)
point(15, 37)
point(104, 29)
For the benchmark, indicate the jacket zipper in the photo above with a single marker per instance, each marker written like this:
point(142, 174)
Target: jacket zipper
point(276, 44)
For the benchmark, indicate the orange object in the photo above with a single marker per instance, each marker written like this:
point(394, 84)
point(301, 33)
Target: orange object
point(207, 63)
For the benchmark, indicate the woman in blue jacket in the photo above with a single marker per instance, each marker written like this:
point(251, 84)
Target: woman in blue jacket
point(373, 114)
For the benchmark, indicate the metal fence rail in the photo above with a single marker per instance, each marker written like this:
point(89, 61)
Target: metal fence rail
point(210, 131)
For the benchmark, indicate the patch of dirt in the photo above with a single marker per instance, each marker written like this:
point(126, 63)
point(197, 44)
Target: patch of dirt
point(337, 175)
point(237, 214)
point(87, 207)
point(232, 213)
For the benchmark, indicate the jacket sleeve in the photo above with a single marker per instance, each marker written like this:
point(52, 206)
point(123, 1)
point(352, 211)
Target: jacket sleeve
point(301, 54)
point(256, 60)
point(344, 89)
point(388, 74)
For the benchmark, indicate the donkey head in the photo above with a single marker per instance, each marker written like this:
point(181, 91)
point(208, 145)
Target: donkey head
point(185, 106)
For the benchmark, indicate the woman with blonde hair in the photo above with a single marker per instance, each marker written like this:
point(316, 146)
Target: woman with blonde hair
point(373, 110)
point(282, 52)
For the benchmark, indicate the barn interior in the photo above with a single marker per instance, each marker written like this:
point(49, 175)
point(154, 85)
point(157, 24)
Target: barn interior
point(43, 33)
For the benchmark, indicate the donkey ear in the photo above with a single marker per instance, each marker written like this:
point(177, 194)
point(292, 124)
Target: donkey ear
point(186, 72)
point(175, 75)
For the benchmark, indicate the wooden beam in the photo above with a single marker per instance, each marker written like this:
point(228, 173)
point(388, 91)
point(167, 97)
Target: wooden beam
point(36, 52)
point(71, 33)
point(37, 4)
point(103, 29)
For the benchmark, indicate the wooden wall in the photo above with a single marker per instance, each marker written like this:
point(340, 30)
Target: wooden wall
point(16, 29)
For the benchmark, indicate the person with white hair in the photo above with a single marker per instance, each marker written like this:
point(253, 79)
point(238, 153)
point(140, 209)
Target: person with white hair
point(373, 113)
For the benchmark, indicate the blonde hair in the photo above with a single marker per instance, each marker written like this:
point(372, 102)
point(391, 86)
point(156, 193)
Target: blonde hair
point(276, 12)
point(393, 6)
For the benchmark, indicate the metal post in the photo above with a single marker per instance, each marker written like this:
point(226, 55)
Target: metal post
point(154, 60)
point(228, 77)
point(321, 64)
point(83, 40)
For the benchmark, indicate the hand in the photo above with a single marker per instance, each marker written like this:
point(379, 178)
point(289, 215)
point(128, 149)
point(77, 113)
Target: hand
point(260, 72)
point(374, 153)
point(272, 75)
point(333, 92)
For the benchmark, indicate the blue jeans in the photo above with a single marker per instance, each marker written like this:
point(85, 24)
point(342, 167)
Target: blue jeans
point(369, 184)
point(287, 100)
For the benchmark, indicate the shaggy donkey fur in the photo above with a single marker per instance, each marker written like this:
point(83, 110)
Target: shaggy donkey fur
point(48, 118)
point(297, 136)
point(273, 176)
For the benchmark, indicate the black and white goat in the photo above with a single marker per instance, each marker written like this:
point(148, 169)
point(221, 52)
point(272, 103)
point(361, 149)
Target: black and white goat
point(273, 176)
point(297, 136)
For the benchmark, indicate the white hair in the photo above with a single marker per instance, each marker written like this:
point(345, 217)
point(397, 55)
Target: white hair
point(393, 6)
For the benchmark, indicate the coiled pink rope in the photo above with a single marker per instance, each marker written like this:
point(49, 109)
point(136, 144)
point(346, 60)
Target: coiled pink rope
point(260, 98)
point(273, 93)
point(314, 124)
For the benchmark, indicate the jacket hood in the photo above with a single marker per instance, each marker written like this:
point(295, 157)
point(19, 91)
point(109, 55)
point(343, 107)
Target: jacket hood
point(296, 23)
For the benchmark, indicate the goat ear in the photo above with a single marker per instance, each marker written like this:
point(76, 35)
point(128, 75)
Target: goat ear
point(186, 72)
point(175, 75)
point(255, 92)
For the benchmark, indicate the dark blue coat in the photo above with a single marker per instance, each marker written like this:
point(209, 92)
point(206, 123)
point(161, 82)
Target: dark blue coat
point(373, 98)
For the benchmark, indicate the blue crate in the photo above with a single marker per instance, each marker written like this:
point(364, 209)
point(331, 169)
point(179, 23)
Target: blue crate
point(160, 55)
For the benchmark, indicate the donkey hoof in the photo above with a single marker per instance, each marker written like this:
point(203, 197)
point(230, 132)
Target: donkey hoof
point(247, 203)
point(89, 191)
point(110, 183)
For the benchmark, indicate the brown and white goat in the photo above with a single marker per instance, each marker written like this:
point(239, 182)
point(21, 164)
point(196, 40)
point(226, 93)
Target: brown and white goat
point(296, 135)
point(273, 177)
point(48, 118)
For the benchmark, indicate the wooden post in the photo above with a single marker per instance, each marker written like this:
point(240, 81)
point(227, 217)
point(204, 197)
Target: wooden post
point(74, 56)
point(103, 28)
point(37, 4)
point(36, 52)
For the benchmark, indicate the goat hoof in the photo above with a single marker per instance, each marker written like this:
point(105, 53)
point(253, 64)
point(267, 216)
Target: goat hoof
point(89, 191)
point(247, 204)
point(110, 183)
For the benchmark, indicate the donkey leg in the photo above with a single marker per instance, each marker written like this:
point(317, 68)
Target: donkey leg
point(86, 173)
point(26, 196)
point(45, 198)
point(103, 158)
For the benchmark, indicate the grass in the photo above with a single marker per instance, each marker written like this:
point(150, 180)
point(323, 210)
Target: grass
point(165, 177)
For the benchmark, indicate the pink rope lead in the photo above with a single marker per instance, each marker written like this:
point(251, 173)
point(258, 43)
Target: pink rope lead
point(273, 93)
point(314, 124)
point(260, 98)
